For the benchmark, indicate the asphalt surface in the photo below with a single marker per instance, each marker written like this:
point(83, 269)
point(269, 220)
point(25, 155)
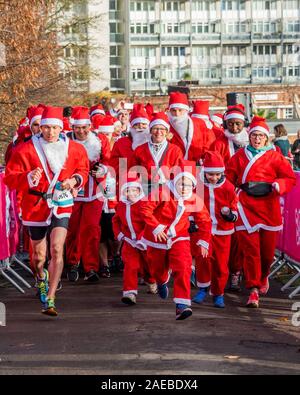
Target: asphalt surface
point(95, 334)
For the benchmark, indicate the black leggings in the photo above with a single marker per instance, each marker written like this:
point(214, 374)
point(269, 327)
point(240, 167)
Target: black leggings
point(37, 233)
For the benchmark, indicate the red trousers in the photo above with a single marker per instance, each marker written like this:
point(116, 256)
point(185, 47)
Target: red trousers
point(213, 271)
point(84, 235)
point(257, 255)
point(135, 261)
point(235, 263)
point(179, 260)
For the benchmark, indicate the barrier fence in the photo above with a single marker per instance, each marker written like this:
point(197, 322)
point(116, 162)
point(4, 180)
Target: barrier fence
point(288, 245)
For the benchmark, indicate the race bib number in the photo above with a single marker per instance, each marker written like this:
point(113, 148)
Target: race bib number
point(62, 198)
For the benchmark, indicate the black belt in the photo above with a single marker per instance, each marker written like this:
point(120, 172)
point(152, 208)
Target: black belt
point(42, 195)
point(257, 188)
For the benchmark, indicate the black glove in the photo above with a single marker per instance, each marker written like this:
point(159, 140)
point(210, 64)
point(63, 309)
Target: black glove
point(230, 217)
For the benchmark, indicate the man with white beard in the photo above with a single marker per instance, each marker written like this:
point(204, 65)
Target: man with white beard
point(188, 133)
point(235, 133)
point(139, 134)
point(84, 231)
point(47, 170)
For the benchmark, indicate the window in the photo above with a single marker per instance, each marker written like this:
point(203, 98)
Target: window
point(264, 5)
point(172, 51)
point(264, 72)
point(233, 5)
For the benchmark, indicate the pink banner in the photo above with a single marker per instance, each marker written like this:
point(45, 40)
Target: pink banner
point(292, 223)
point(9, 229)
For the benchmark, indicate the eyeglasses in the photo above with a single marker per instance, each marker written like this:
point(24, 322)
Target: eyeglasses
point(258, 136)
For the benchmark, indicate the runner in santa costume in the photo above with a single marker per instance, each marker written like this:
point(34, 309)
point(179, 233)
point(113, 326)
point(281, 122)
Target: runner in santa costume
point(221, 200)
point(157, 155)
point(261, 175)
point(201, 112)
point(166, 214)
point(125, 146)
point(84, 231)
point(217, 121)
point(128, 226)
point(47, 169)
point(189, 134)
point(235, 137)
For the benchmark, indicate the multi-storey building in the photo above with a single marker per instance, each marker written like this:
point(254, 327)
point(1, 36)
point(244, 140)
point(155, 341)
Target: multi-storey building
point(157, 42)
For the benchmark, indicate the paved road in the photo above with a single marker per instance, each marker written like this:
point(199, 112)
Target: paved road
point(96, 334)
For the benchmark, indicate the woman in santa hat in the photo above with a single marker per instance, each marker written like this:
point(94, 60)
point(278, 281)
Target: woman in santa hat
point(128, 226)
point(261, 175)
point(84, 232)
point(157, 155)
point(221, 200)
point(189, 134)
point(47, 169)
point(166, 214)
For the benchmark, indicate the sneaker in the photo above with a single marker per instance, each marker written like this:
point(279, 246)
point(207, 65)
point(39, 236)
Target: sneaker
point(49, 308)
point(219, 301)
point(129, 299)
point(163, 291)
point(73, 273)
point(235, 282)
point(253, 301)
point(183, 311)
point(200, 295)
point(91, 277)
point(264, 289)
point(43, 287)
point(104, 272)
point(152, 289)
point(59, 286)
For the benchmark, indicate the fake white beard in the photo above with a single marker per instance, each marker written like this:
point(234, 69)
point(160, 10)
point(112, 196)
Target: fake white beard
point(180, 124)
point(93, 147)
point(240, 139)
point(139, 137)
point(55, 153)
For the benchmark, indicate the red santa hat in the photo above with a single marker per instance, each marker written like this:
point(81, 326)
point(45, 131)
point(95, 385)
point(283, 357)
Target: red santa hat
point(97, 109)
point(149, 109)
point(80, 116)
point(217, 118)
point(201, 108)
point(34, 114)
point(97, 120)
point(187, 169)
point(213, 162)
point(259, 124)
point(132, 181)
point(53, 116)
point(139, 115)
point(179, 100)
point(160, 118)
point(107, 125)
point(235, 112)
point(67, 126)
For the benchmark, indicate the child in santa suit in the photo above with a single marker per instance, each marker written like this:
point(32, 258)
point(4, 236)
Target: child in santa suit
point(128, 226)
point(166, 214)
point(221, 200)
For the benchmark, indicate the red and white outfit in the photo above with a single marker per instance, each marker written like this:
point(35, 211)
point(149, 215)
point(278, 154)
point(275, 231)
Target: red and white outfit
point(217, 121)
point(128, 226)
point(84, 229)
point(169, 212)
point(213, 271)
point(61, 160)
point(189, 134)
point(157, 159)
point(259, 217)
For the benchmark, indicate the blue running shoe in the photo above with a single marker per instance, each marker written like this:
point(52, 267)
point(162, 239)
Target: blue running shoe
point(219, 301)
point(200, 295)
point(163, 291)
point(43, 287)
point(183, 311)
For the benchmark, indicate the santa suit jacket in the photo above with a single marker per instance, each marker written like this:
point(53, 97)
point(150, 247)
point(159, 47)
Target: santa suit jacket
point(158, 167)
point(200, 139)
point(269, 166)
point(225, 147)
point(29, 156)
point(121, 149)
point(128, 223)
point(163, 212)
point(215, 198)
point(90, 191)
